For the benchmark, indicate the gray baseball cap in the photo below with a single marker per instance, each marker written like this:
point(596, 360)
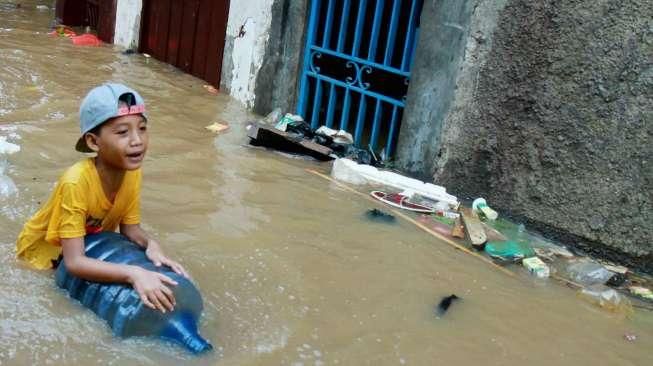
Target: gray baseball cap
point(103, 103)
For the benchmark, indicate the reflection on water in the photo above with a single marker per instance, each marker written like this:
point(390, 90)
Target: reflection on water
point(291, 272)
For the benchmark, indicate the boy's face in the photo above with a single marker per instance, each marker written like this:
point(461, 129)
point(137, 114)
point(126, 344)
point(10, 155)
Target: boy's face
point(122, 142)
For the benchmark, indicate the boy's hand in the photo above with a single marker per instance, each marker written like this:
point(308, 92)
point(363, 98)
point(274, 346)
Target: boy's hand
point(155, 254)
point(152, 289)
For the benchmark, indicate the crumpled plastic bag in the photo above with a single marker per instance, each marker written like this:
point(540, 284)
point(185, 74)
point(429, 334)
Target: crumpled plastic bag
point(288, 119)
point(588, 273)
point(607, 298)
point(338, 136)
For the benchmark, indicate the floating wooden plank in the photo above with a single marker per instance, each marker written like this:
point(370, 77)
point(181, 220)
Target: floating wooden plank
point(270, 137)
point(458, 230)
point(473, 226)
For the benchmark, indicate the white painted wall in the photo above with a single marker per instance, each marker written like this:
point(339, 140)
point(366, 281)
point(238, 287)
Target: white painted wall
point(128, 23)
point(255, 18)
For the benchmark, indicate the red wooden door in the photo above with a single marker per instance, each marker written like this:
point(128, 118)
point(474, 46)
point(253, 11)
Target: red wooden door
point(98, 14)
point(188, 34)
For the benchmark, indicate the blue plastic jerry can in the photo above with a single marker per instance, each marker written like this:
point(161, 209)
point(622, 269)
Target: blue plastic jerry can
point(120, 305)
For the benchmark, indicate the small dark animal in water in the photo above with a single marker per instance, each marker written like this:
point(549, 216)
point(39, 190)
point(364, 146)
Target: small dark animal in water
point(380, 216)
point(445, 303)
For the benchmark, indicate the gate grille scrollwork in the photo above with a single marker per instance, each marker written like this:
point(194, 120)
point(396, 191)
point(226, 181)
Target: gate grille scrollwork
point(355, 75)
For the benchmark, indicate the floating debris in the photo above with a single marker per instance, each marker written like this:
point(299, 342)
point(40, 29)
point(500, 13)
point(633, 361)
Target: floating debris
point(483, 210)
point(217, 127)
point(445, 303)
point(380, 216)
point(642, 292)
point(211, 89)
point(630, 337)
point(535, 266)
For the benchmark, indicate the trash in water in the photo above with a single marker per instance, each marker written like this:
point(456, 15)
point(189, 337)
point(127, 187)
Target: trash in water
point(400, 200)
point(616, 280)
point(445, 212)
point(510, 251)
point(642, 292)
point(42, 7)
point(445, 303)
point(615, 268)
point(458, 230)
point(266, 136)
point(473, 228)
point(630, 337)
point(217, 127)
point(211, 89)
point(86, 40)
point(535, 266)
point(338, 137)
point(289, 119)
point(379, 216)
point(351, 172)
point(345, 170)
point(547, 253)
point(483, 210)
point(587, 273)
point(63, 31)
point(606, 298)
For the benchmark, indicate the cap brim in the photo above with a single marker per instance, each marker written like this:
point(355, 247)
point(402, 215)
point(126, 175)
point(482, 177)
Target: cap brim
point(81, 146)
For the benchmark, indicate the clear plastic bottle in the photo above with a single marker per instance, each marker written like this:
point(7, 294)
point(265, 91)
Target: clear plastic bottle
point(607, 298)
point(120, 305)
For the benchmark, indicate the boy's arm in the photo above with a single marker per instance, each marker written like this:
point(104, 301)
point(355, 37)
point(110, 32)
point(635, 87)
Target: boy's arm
point(150, 286)
point(152, 248)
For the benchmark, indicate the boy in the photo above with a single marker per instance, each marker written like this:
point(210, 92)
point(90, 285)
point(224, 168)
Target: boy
point(99, 194)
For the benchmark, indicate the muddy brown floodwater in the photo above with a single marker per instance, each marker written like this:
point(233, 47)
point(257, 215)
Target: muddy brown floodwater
point(290, 271)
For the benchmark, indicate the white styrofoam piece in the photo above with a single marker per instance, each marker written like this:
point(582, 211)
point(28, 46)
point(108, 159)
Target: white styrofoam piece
point(354, 173)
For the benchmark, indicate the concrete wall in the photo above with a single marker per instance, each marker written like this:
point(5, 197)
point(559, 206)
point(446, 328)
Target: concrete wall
point(277, 82)
point(549, 116)
point(248, 30)
point(128, 23)
point(440, 49)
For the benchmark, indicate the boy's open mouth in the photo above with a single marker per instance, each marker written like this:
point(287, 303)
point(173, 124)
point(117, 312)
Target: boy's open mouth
point(135, 156)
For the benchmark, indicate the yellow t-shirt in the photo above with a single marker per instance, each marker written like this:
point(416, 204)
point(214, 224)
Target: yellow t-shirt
point(78, 206)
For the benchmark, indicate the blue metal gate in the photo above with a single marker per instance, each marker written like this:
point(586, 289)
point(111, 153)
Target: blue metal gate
point(357, 67)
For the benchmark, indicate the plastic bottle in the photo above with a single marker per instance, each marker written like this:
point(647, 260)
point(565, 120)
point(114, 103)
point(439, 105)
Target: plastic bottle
point(607, 298)
point(588, 273)
point(120, 305)
point(480, 206)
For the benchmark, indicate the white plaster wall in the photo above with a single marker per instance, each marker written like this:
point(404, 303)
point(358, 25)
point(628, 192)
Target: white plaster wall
point(254, 16)
point(128, 23)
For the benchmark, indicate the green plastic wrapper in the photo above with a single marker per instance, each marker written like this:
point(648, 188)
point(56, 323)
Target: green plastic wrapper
point(509, 250)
